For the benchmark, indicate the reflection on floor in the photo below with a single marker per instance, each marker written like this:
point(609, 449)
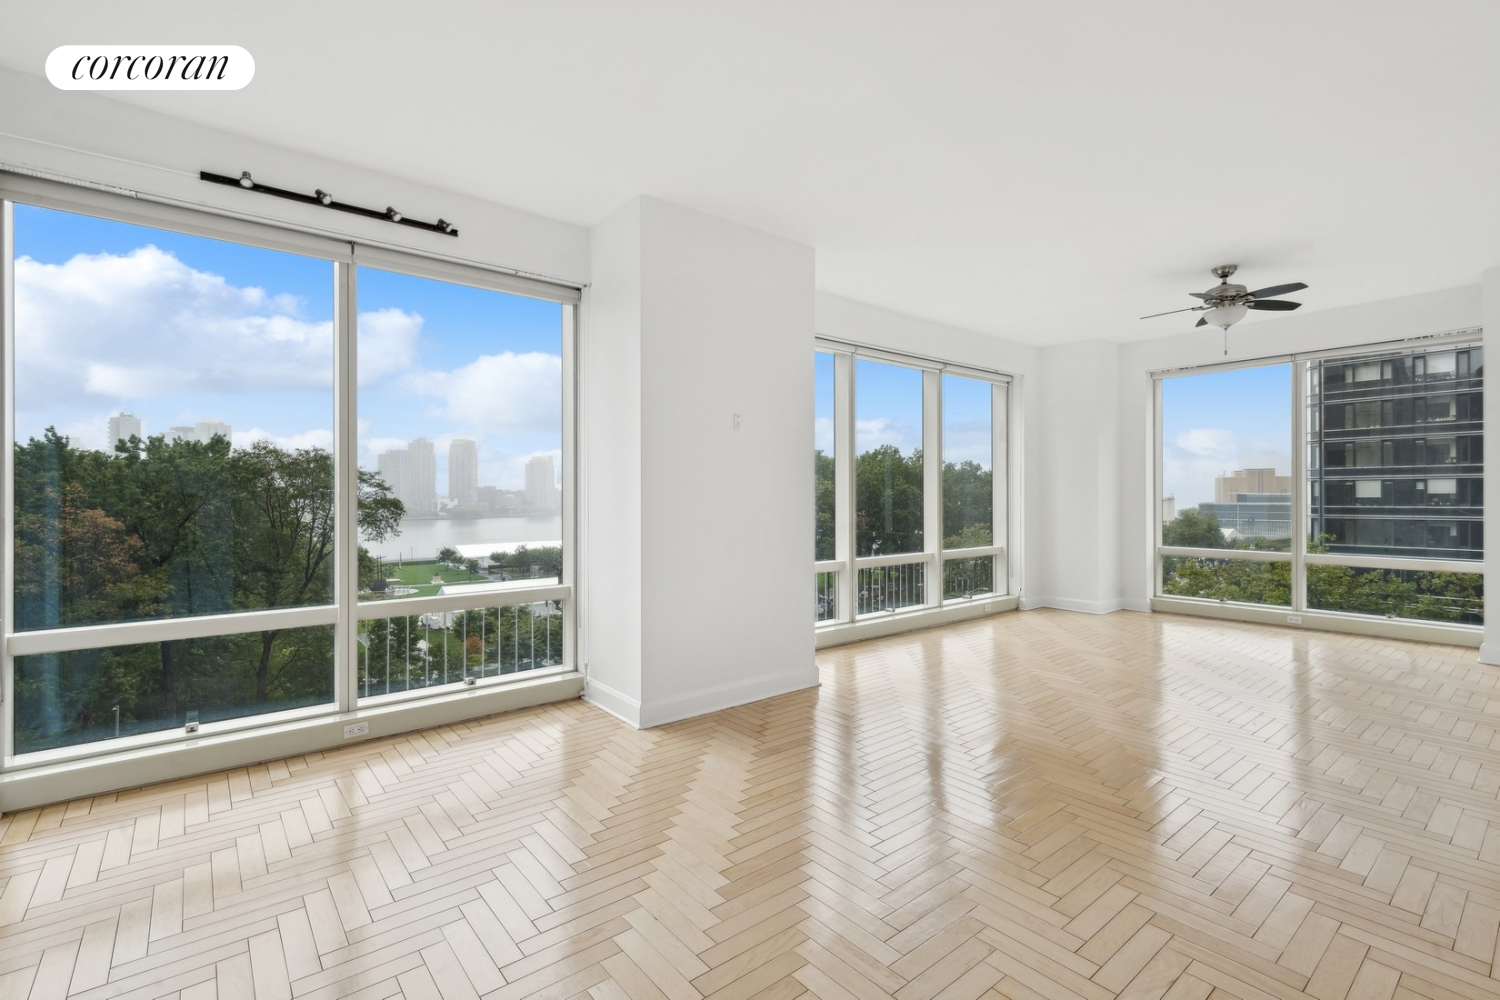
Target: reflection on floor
point(1041, 804)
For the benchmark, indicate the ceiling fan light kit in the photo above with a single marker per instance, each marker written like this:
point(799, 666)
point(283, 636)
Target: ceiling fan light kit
point(1226, 304)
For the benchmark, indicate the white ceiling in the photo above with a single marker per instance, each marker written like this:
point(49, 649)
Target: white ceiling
point(1044, 171)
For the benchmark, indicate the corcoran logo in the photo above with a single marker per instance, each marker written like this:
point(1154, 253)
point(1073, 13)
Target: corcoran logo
point(150, 67)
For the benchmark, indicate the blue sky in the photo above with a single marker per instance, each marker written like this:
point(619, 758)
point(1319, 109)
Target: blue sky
point(1216, 422)
point(888, 410)
point(176, 328)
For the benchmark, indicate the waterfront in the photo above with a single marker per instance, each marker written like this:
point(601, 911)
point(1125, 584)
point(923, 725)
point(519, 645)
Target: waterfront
point(420, 538)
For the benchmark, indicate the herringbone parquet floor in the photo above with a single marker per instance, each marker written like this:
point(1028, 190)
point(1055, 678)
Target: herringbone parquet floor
point(1037, 805)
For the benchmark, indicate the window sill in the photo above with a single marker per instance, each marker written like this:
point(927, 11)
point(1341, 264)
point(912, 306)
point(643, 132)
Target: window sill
point(27, 787)
point(871, 627)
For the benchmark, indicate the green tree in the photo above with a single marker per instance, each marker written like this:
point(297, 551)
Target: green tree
point(1192, 528)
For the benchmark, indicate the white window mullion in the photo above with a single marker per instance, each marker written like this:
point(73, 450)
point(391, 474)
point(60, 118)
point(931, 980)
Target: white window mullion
point(569, 483)
point(7, 486)
point(346, 486)
point(1301, 511)
point(932, 485)
point(1000, 486)
point(843, 482)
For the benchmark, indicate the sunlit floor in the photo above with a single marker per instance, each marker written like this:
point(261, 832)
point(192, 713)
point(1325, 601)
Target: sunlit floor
point(1040, 804)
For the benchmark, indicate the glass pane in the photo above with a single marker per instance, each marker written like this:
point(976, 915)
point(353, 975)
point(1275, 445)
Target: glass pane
point(963, 578)
point(82, 696)
point(1226, 461)
point(411, 652)
point(968, 459)
point(460, 435)
point(173, 415)
point(1385, 470)
point(888, 460)
point(888, 588)
point(827, 596)
point(1228, 580)
point(825, 546)
point(1390, 593)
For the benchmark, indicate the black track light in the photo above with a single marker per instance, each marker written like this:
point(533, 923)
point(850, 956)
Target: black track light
point(392, 214)
point(324, 198)
point(245, 181)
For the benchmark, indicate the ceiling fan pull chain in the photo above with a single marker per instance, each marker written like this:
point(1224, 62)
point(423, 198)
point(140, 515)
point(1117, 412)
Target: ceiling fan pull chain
point(1226, 342)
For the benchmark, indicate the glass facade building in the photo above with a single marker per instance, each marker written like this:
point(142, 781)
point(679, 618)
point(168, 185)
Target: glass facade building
point(1396, 452)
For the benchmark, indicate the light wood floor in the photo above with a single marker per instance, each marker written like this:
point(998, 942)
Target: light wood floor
point(1038, 805)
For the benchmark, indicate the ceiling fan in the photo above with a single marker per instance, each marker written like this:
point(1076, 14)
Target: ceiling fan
point(1226, 304)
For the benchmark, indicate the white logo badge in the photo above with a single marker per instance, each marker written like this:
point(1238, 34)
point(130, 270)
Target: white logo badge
point(150, 67)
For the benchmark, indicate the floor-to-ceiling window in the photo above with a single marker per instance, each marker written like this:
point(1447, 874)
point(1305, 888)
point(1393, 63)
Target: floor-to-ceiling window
point(1346, 483)
point(911, 500)
point(251, 480)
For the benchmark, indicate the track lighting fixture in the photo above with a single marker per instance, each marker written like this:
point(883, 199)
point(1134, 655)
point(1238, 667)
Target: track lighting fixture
point(323, 198)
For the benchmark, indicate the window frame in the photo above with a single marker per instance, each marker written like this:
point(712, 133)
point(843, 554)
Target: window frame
point(1299, 557)
point(345, 611)
point(934, 556)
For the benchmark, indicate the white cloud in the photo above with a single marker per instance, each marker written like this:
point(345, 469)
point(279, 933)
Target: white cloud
point(152, 326)
point(1207, 442)
point(1192, 460)
point(874, 432)
point(500, 393)
point(823, 435)
point(318, 438)
point(387, 343)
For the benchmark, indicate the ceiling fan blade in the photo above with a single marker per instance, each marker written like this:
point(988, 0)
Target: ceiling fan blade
point(1201, 322)
point(1199, 295)
point(1266, 293)
point(1171, 311)
point(1274, 305)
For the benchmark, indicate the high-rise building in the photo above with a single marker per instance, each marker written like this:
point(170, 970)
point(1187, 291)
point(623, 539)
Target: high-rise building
point(423, 476)
point(123, 427)
point(202, 432)
point(463, 472)
point(1249, 481)
point(1397, 454)
point(411, 473)
point(395, 469)
point(541, 484)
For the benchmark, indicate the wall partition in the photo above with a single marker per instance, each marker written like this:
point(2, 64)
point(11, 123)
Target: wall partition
point(912, 481)
point(257, 476)
point(1341, 488)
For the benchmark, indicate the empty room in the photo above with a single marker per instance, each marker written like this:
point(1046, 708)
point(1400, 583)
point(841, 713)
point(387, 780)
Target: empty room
point(676, 500)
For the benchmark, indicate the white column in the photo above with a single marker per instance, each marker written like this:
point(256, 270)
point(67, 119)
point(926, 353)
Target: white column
point(697, 349)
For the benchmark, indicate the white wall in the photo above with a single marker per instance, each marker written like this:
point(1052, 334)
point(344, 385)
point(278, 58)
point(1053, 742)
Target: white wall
point(857, 322)
point(609, 524)
point(1079, 471)
point(94, 138)
point(727, 319)
point(699, 530)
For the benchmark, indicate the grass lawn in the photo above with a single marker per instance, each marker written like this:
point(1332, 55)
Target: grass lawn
point(419, 575)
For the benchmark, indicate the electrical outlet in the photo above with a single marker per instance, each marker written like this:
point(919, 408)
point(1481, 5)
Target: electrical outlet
point(356, 729)
point(1294, 619)
point(986, 607)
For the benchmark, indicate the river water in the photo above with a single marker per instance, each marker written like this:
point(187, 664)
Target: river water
point(421, 538)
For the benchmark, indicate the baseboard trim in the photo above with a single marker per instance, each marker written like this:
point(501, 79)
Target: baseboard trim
point(63, 781)
point(1084, 607)
point(895, 624)
point(607, 699)
point(1489, 652)
point(1382, 628)
point(732, 695)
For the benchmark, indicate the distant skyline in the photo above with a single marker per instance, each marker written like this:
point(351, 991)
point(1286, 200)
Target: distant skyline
point(182, 329)
point(1217, 422)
